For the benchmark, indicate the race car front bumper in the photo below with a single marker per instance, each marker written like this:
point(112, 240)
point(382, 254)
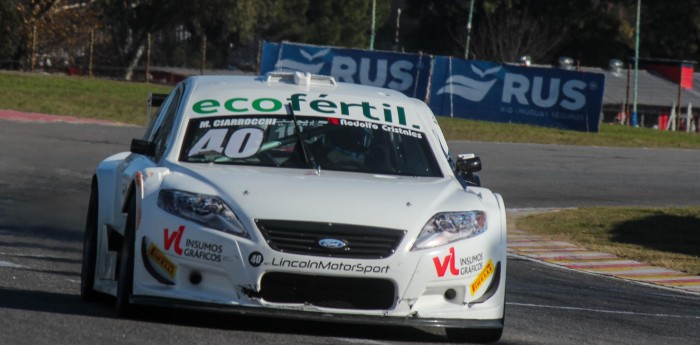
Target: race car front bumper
point(295, 314)
point(184, 265)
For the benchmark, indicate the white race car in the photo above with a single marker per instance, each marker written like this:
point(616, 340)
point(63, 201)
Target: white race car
point(291, 195)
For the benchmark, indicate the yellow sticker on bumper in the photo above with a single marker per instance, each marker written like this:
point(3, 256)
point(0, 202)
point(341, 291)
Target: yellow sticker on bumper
point(162, 260)
point(485, 273)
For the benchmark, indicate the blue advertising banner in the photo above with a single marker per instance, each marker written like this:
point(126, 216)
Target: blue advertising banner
point(407, 73)
point(490, 91)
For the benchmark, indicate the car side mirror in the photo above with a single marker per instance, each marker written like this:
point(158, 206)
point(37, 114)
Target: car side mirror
point(143, 147)
point(467, 165)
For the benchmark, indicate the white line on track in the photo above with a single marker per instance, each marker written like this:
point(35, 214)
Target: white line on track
point(361, 341)
point(34, 256)
point(9, 264)
point(602, 311)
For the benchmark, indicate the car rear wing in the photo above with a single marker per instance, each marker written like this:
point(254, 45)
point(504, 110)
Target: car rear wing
point(154, 100)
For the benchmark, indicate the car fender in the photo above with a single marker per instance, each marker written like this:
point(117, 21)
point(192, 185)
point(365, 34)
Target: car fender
point(504, 247)
point(119, 177)
point(108, 181)
point(504, 225)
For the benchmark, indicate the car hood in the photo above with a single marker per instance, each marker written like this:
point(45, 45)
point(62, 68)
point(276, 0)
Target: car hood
point(397, 202)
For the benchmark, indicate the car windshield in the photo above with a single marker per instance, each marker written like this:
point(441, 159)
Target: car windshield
point(309, 142)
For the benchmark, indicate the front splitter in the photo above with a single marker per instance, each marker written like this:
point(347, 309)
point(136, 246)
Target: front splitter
point(408, 321)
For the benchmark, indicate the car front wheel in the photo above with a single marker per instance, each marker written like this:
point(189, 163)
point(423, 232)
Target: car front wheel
point(87, 275)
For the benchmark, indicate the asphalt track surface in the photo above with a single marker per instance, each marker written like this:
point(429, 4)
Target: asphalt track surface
point(45, 172)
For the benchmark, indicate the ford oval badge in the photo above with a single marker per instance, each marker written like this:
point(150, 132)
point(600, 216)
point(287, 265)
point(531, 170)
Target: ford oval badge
point(331, 243)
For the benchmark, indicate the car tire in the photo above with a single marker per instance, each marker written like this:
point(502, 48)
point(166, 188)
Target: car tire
point(125, 282)
point(474, 335)
point(87, 274)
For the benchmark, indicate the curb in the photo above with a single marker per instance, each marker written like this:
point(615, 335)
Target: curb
point(575, 257)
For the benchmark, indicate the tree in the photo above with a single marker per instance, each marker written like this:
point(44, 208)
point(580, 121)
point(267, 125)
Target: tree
point(225, 24)
point(130, 22)
point(52, 28)
point(234, 27)
point(591, 31)
point(32, 12)
point(670, 29)
point(11, 39)
point(506, 34)
point(435, 26)
point(598, 31)
point(282, 20)
point(343, 23)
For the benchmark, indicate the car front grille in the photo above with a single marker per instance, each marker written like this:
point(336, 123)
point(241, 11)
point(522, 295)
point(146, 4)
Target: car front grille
point(328, 292)
point(304, 238)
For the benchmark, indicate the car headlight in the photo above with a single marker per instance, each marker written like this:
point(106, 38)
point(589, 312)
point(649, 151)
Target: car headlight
point(206, 210)
point(448, 227)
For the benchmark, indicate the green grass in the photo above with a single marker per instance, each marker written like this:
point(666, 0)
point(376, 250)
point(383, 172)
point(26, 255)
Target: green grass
point(77, 96)
point(609, 135)
point(666, 237)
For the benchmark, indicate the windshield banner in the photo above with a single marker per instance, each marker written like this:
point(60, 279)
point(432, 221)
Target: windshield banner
point(490, 91)
point(407, 73)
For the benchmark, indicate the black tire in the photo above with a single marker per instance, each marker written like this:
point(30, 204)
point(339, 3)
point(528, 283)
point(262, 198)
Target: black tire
point(87, 274)
point(125, 282)
point(465, 335)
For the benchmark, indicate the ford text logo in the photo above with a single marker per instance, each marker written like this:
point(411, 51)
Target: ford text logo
point(331, 243)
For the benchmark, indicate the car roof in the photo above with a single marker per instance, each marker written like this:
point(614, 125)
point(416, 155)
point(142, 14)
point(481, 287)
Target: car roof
point(287, 80)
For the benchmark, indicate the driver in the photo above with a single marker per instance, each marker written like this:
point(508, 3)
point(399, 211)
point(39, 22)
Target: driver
point(346, 146)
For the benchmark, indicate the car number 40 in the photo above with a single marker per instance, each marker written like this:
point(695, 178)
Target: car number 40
point(242, 143)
